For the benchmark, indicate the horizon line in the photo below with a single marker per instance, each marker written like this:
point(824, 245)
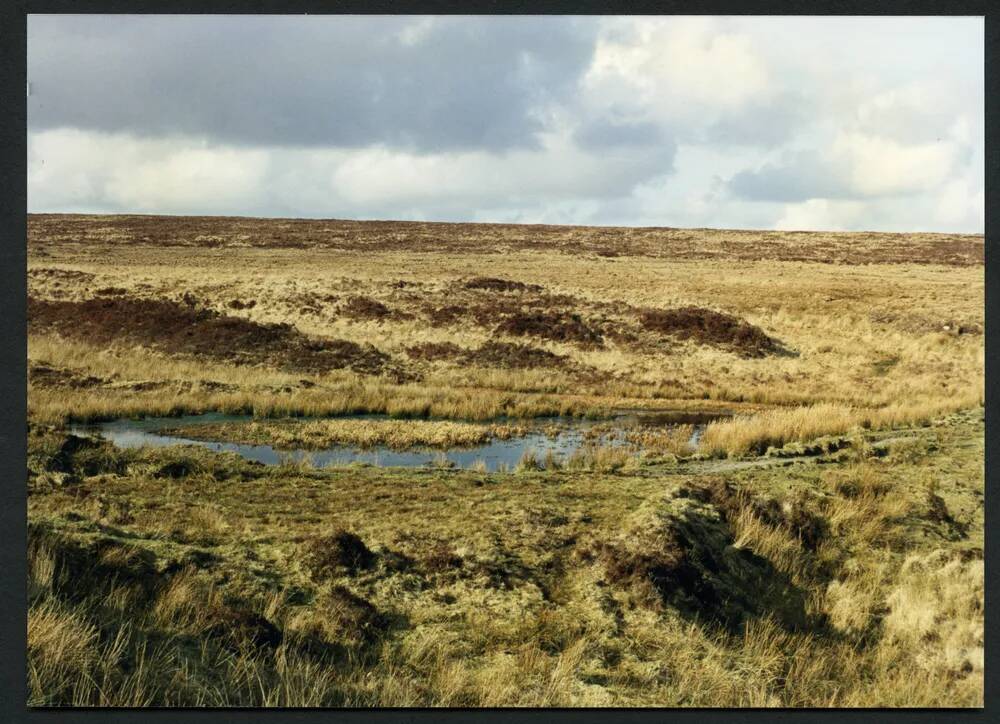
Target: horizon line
point(499, 223)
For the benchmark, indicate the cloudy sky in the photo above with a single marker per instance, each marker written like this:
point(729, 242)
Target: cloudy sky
point(741, 122)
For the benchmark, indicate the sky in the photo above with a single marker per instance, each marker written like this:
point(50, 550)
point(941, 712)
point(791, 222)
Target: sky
point(805, 123)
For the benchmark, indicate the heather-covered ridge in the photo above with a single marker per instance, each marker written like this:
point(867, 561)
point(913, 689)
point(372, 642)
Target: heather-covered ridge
point(51, 230)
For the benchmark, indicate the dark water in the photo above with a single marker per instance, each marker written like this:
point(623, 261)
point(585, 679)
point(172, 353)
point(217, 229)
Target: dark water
point(496, 454)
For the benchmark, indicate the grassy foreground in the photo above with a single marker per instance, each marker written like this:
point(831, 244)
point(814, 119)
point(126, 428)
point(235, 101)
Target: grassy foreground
point(822, 547)
point(186, 578)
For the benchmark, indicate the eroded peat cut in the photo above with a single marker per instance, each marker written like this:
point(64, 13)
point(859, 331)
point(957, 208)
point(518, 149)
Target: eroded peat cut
point(680, 555)
point(325, 463)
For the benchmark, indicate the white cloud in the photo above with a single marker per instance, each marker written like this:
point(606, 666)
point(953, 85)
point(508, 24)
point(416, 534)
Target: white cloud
point(675, 70)
point(144, 175)
point(179, 179)
point(915, 112)
point(877, 166)
point(897, 143)
point(821, 214)
point(80, 170)
point(961, 204)
point(560, 170)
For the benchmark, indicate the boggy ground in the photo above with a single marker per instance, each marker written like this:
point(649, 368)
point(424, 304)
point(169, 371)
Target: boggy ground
point(822, 547)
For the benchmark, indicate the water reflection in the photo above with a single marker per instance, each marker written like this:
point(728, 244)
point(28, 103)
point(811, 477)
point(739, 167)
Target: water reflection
point(571, 435)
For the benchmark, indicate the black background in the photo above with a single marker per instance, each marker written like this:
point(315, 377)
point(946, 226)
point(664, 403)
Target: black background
point(13, 353)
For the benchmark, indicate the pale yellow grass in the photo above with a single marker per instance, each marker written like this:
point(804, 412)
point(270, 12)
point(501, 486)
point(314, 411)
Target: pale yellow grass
point(318, 434)
point(190, 386)
point(864, 336)
point(937, 610)
point(674, 440)
point(775, 428)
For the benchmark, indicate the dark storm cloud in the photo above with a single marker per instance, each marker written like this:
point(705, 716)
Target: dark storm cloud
point(798, 177)
point(456, 83)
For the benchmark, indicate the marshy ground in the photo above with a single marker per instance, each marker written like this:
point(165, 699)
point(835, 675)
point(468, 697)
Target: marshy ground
point(822, 546)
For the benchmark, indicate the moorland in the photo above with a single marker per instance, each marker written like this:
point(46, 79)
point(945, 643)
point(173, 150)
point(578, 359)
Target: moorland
point(808, 532)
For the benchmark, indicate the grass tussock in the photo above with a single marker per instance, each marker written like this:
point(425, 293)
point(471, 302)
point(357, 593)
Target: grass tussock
point(675, 440)
point(603, 458)
point(774, 428)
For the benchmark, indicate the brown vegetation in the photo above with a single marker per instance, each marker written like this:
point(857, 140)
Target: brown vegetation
point(513, 356)
point(554, 326)
point(707, 326)
point(604, 242)
point(500, 285)
point(357, 307)
point(187, 329)
point(44, 375)
point(335, 553)
point(434, 351)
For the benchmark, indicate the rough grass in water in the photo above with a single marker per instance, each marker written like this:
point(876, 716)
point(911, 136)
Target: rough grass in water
point(320, 434)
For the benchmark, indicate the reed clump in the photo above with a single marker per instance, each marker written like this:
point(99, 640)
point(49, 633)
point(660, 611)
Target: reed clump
point(320, 434)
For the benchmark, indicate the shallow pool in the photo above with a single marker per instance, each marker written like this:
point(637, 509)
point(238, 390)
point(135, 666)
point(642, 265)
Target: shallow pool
point(496, 454)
